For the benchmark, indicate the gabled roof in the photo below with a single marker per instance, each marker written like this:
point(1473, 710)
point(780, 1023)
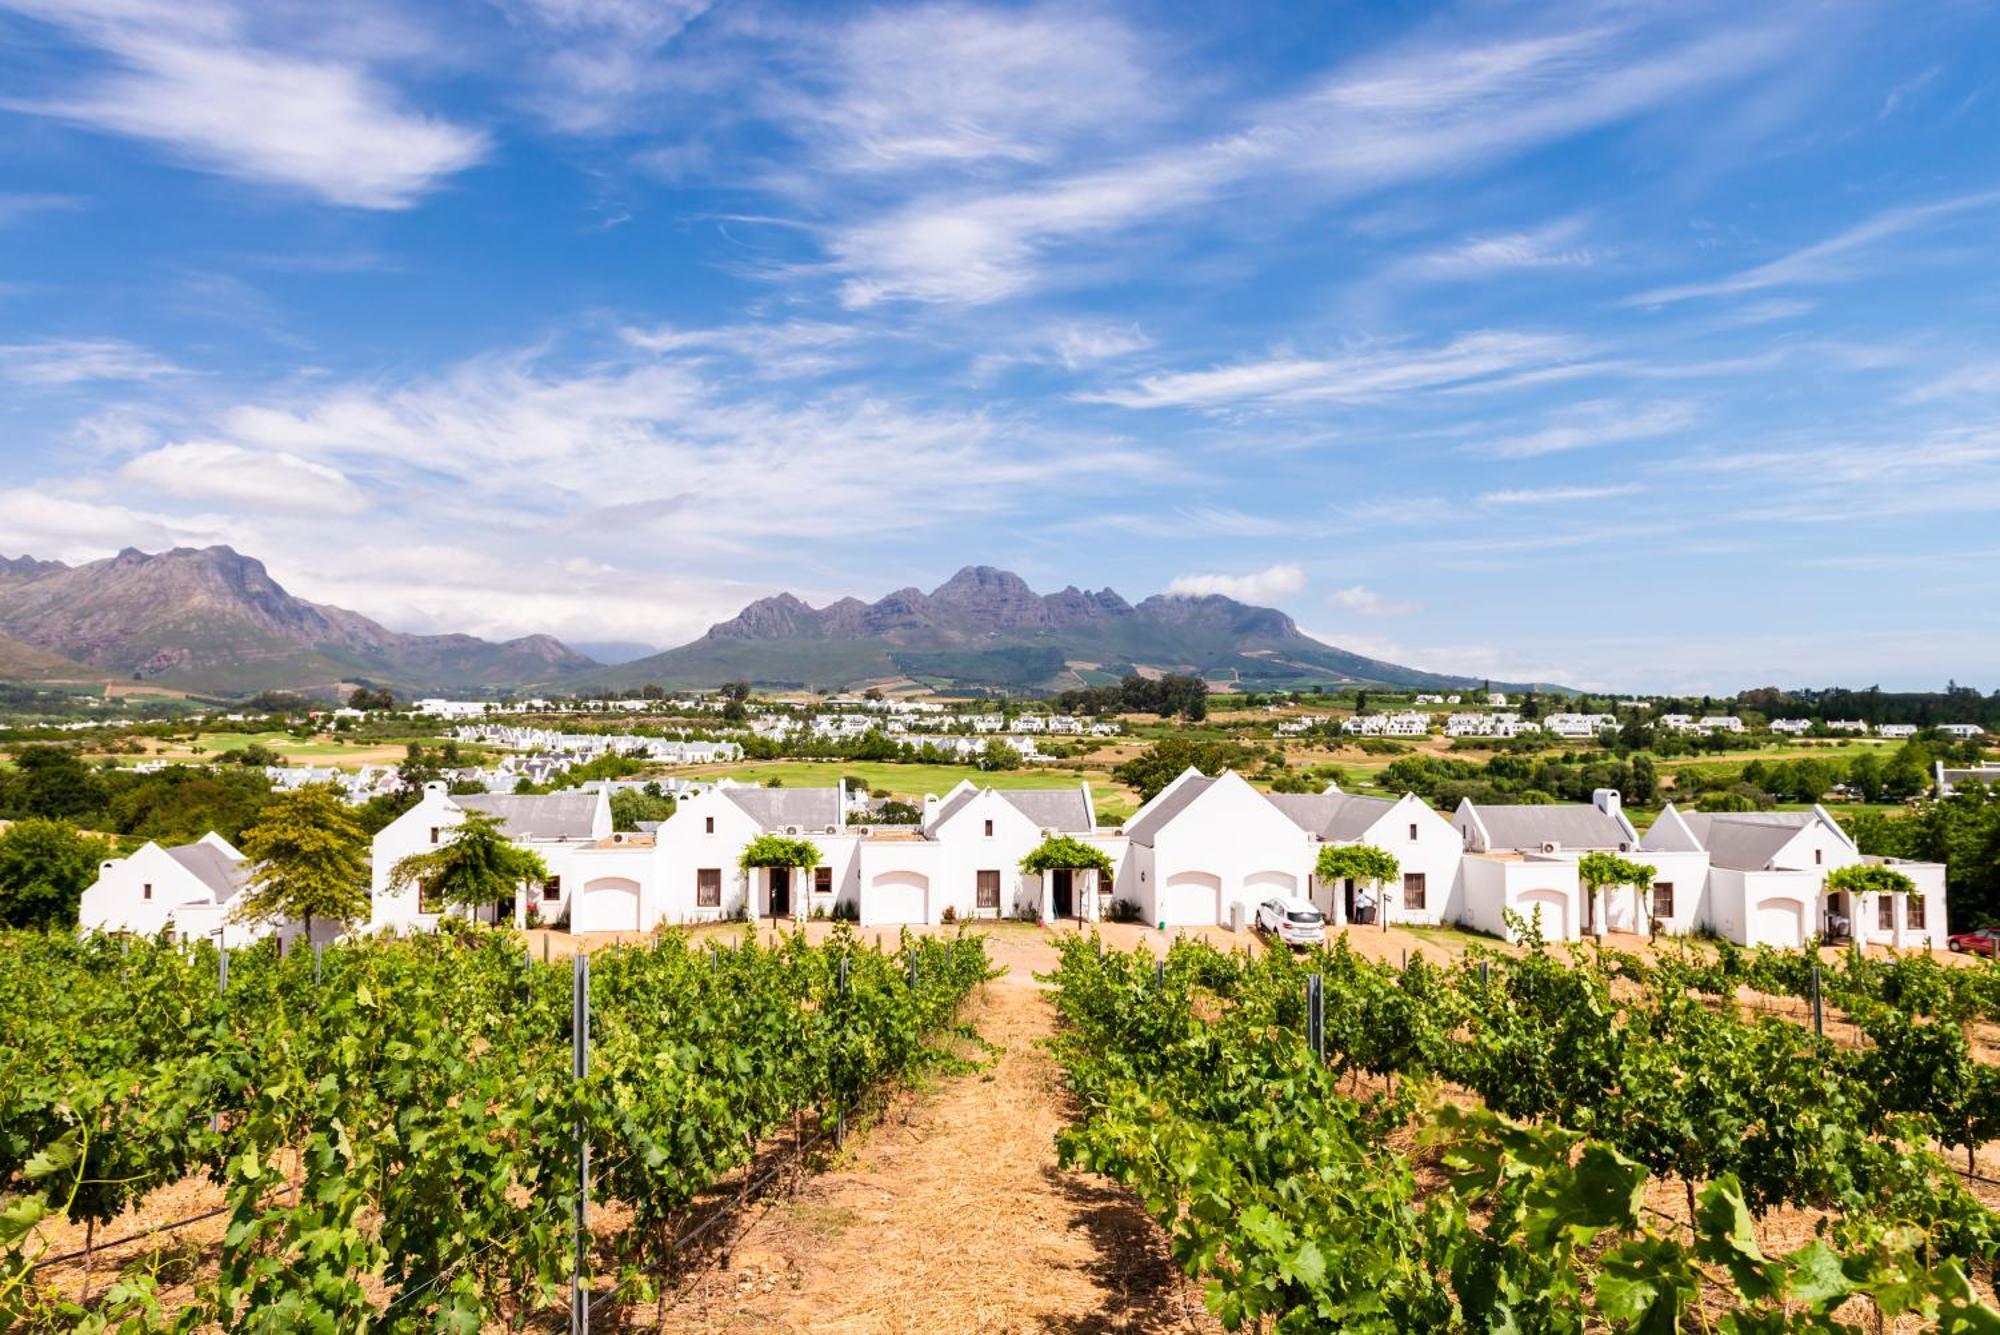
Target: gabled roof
point(1065, 809)
point(1571, 826)
point(1167, 805)
point(1334, 817)
point(538, 816)
point(953, 803)
point(775, 808)
point(1747, 840)
point(214, 868)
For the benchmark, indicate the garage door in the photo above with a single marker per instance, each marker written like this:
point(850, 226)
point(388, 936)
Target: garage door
point(1778, 922)
point(1553, 906)
point(609, 905)
point(896, 897)
point(1191, 899)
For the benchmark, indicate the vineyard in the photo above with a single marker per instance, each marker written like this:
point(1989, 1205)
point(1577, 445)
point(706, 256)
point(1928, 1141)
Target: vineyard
point(1335, 1143)
point(398, 1124)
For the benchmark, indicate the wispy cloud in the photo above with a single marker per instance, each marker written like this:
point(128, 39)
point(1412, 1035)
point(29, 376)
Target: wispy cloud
point(1595, 422)
point(1406, 115)
point(1551, 246)
point(1373, 373)
point(185, 74)
point(75, 361)
point(599, 61)
point(1259, 586)
point(267, 481)
point(1830, 260)
point(1556, 495)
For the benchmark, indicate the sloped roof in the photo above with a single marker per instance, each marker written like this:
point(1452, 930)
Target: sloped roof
point(1746, 840)
point(213, 868)
point(952, 805)
point(538, 816)
point(1573, 825)
point(1334, 817)
point(1052, 808)
point(1166, 806)
point(775, 808)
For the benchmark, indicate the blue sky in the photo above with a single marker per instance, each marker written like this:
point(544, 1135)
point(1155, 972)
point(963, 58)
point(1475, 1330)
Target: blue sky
point(1646, 347)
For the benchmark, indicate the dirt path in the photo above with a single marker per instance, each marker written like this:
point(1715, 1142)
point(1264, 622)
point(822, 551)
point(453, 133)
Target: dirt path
point(952, 1215)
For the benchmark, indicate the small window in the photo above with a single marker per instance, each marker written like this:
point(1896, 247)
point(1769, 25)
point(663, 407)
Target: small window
point(146, 890)
point(1885, 913)
point(1413, 890)
point(708, 825)
point(1413, 832)
point(1913, 910)
point(1819, 857)
point(989, 829)
point(434, 834)
point(552, 888)
point(989, 889)
point(1663, 899)
point(708, 888)
point(822, 880)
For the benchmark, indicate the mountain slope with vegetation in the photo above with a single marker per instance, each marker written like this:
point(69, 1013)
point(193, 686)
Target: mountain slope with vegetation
point(215, 619)
point(985, 628)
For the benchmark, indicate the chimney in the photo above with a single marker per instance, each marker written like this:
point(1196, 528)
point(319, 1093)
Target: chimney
point(1605, 800)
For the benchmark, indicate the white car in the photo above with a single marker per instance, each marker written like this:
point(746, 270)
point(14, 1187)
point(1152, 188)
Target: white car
point(1292, 920)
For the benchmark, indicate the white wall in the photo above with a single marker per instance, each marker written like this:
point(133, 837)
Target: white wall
point(1492, 884)
point(1229, 846)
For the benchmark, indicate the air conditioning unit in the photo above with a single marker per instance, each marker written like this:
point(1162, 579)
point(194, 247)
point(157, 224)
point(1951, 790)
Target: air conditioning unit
point(833, 829)
point(1551, 846)
point(791, 829)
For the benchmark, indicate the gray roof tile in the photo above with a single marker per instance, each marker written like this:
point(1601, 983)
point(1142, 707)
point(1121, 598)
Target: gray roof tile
point(1166, 807)
point(539, 815)
point(775, 808)
point(1334, 817)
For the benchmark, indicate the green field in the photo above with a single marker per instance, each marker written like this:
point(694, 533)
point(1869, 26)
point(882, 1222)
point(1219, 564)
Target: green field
point(909, 782)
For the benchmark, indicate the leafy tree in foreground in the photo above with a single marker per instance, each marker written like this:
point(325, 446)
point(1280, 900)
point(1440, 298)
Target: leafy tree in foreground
point(308, 859)
point(45, 866)
point(477, 864)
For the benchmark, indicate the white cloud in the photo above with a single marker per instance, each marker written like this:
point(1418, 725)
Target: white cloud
point(45, 522)
point(1374, 373)
point(1359, 598)
point(188, 76)
point(1555, 495)
point(1257, 587)
point(1414, 113)
point(1830, 260)
point(1595, 422)
point(945, 85)
point(265, 481)
point(1552, 246)
point(74, 361)
point(597, 61)
point(1980, 380)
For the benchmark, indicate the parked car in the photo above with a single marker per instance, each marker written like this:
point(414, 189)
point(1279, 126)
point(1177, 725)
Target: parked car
point(1981, 942)
point(1292, 920)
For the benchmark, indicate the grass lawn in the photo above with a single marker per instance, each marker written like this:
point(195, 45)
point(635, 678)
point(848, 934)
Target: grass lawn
point(340, 754)
point(911, 782)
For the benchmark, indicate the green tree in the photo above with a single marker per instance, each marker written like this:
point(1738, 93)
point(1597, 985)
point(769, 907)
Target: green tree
point(999, 756)
point(52, 781)
point(1163, 762)
point(308, 859)
point(629, 806)
point(1061, 852)
point(476, 865)
point(45, 866)
point(1598, 870)
point(777, 850)
point(1360, 862)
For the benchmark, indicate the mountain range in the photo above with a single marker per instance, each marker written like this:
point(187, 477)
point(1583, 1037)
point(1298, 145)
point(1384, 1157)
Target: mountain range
point(214, 620)
point(986, 628)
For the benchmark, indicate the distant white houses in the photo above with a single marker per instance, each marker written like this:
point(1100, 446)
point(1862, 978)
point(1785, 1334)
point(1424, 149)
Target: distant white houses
point(1791, 727)
point(1955, 778)
point(1896, 730)
point(1961, 731)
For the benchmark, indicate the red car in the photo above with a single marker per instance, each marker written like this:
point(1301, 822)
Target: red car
point(1981, 942)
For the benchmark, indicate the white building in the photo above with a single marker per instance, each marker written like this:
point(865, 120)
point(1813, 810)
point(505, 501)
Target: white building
point(1766, 880)
point(1523, 859)
point(1951, 779)
point(1791, 727)
point(570, 831)
point(1896, 730)
point(1578, 725)
point(1207, 851)
point(1961, 730)
point(1426, 848)
point(189, 891)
